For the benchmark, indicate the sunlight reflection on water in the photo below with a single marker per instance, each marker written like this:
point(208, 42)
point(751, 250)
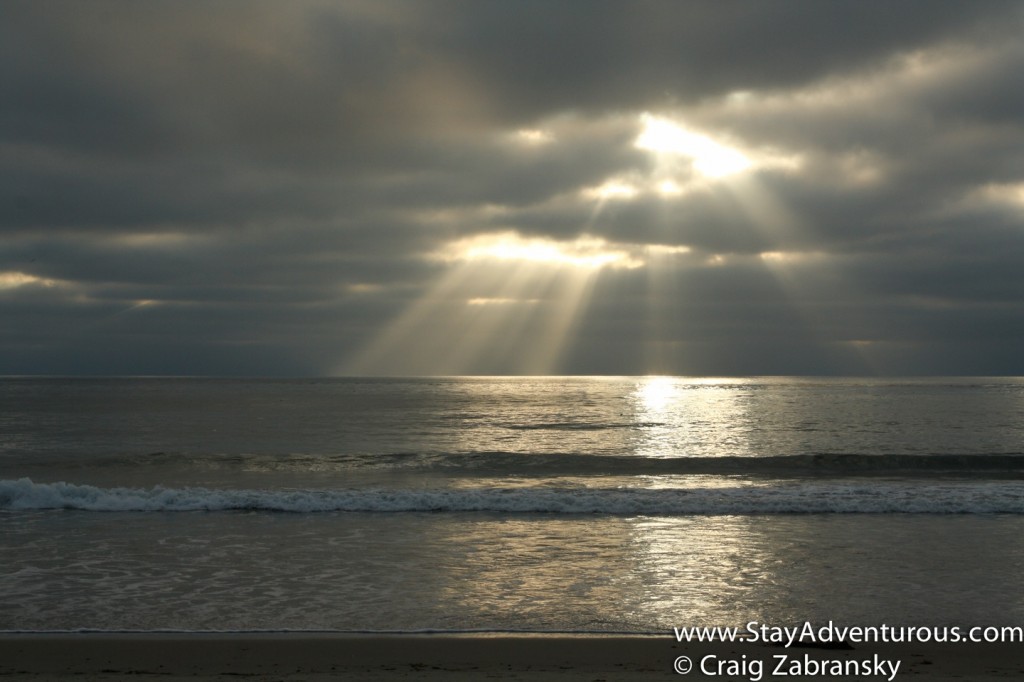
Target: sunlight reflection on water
point(688, 416)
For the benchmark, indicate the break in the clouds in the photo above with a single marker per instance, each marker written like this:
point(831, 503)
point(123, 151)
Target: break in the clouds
point(449, 187)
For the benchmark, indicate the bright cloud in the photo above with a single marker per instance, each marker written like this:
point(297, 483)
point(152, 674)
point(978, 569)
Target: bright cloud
point(14, 279)
point(584, 252)
point(709, 157)
point(612, 189)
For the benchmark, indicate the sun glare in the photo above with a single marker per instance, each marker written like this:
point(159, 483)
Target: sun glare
point(710, 158)
point(656, 392)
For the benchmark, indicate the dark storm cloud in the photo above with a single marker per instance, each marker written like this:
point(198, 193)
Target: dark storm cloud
point(258, 187)
point(545, 56)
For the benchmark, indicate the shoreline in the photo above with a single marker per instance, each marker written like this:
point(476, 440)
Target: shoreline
point(45, 657)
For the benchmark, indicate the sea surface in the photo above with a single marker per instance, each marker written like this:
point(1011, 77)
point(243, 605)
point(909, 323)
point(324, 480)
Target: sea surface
point(612, 504)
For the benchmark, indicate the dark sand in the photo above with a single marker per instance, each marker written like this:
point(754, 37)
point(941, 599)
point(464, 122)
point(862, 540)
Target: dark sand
point(293, 657)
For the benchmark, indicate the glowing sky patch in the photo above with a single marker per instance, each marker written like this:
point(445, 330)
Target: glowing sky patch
point(592, 253)
point(790, 257)
point(484, 300)
point(364, 288)
point(612, 189)
point(150, 240)
point(15, 279)
point(709, 157)
point(533, 137)
point(1012, 194)
point(686, 161)
point(666, 249)
point(669, 188)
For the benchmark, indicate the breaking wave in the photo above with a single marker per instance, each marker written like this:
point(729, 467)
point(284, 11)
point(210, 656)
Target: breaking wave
point(915, 497)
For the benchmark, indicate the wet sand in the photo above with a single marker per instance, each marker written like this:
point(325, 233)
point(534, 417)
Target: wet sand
point(316, 657)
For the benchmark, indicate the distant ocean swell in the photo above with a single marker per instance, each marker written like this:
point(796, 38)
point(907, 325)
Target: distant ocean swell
point(915, 497)
point(1009, 465)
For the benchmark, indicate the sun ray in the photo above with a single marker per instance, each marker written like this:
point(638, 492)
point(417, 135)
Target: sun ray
point(505, 300)
point(573, 292)
point(735, 179)
point(485, 331)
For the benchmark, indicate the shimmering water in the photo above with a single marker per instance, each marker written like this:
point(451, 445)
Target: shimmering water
point(582, 504)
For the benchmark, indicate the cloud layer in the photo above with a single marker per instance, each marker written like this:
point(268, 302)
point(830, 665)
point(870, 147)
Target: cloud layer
point(447, 187)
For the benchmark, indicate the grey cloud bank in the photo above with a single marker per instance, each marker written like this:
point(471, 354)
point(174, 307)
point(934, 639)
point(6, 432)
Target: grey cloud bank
point(489, 187)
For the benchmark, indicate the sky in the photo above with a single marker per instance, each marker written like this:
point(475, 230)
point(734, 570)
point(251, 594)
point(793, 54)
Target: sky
point(374, 187)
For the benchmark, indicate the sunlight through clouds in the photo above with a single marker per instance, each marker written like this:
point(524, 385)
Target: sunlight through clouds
point(516, 314)
point(709, 158)
point(696, 189)
point(15, 279)
point(483, 300)
point(583, 252)
point(504, 300)
point(686, 161)
point(533, 137)
point(683, 192)
point(612, 190)
point(1004, 194)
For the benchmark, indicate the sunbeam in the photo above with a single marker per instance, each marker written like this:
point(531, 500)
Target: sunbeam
point(735, 179)
point(505, 301)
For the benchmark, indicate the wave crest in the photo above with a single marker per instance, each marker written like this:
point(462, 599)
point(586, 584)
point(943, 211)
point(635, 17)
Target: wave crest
point(782, 498)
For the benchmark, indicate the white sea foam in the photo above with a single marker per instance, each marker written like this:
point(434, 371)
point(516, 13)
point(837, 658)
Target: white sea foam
point(939, 497)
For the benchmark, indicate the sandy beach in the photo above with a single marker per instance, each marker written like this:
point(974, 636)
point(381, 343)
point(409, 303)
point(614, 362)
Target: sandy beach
point(171, 657)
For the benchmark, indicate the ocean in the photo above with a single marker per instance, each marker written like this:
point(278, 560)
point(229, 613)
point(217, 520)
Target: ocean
point(555, 504)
